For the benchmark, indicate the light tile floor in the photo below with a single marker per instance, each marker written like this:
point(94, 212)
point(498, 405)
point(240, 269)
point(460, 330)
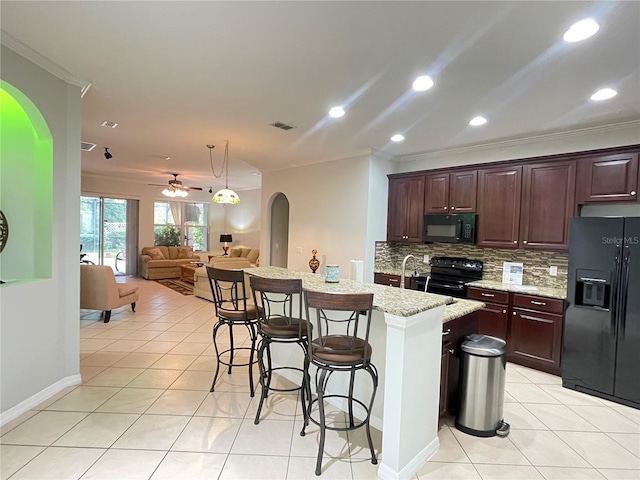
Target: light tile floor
point(144, 411)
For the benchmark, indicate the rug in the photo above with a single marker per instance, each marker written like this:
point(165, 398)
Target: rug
point(178, 285)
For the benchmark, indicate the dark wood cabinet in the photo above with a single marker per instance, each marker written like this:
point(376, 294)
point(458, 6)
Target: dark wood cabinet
point(499, 191)
point(451, 192)
point(535, 339)
point(405, 210)
point(453, 334)
point(548, 202)
point(445, 370)
point(390, 280)
point(493, 319)
point(436, 193)
point(532, 326)
point(610, 178)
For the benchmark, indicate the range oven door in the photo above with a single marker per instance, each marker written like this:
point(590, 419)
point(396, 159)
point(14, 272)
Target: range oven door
point(458, 290)
point(449, 228)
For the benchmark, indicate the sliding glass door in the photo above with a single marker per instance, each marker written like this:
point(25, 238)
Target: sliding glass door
point(108, 231)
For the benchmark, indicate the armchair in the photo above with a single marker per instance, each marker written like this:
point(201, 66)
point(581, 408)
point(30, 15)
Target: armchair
point(100, 291)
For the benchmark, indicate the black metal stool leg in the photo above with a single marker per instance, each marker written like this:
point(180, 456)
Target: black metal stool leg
point(374, 378)
point(263, 383)
point(215, 347)
point(230, 347)
point(253, 335)
point(320, 389)
point(351, 382)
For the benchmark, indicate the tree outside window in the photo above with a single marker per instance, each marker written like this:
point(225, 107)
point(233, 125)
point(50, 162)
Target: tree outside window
point(181, 223)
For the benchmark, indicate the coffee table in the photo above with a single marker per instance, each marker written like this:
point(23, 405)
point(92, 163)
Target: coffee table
point(188, 273)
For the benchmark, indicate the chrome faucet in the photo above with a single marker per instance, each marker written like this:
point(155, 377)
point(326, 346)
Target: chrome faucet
point(404, 266)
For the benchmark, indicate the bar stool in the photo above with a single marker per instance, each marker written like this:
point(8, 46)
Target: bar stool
point(334, 346)
point(279, 321)
point(232, 309)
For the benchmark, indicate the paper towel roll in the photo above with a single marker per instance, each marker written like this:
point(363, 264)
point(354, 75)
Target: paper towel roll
point(357, 270)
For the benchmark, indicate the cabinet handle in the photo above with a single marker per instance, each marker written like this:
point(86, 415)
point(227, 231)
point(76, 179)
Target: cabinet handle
point(514, 313)
point(453, 208)
point(633, 192)
point(452, 351)
point(446, 332)
point(538, 303)
point(488, 294)
point(525, 242)
point(445, 208)
point(504, 311)
point(515, 241)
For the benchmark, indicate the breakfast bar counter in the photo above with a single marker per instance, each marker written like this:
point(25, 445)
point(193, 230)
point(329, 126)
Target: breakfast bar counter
point(406, 337)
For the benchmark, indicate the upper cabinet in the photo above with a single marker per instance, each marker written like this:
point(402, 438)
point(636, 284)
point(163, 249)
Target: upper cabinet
point(499, 191)
point(610, 178)
point(406, 202)
point(547, 205)
point(451, 192)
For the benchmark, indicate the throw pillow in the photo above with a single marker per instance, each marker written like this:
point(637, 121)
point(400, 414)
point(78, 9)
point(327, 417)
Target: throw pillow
point(155, 254)
point(235, 252)
point(184, 252)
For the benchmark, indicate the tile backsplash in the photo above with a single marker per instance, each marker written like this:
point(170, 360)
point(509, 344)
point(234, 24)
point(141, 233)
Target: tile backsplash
point(389, 257)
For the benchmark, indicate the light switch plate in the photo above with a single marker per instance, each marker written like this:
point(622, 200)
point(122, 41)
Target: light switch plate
point(298, 249)
point(425, 259)
point(553, 271)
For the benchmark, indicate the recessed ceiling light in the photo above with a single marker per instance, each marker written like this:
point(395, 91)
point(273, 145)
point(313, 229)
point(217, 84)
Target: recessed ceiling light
point(581, 30)
point(479, 120)
point(397, 138)
point(603, 94)
point(109, 124)
point(336, 112)
point(422, 83)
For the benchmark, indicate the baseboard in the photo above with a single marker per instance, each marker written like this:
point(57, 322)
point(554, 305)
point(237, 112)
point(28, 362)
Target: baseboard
point(410, 469)
point(38, 398)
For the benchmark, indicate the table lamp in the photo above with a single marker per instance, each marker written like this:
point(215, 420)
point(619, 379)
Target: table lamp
point(225, 238)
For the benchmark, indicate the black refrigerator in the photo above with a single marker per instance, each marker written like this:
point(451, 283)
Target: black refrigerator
point(601, 347)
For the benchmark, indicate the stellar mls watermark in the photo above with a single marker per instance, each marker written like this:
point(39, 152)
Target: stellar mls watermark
point(620, 240)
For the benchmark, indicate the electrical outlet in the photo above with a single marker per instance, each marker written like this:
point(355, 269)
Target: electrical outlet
point(298, 249)
point(553, 271)
point(425, 259)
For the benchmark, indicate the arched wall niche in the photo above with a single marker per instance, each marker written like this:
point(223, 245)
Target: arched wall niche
point(279, 230)
point(26, 187)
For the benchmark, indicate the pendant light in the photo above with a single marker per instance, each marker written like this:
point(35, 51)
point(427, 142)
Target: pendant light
point(224, 195)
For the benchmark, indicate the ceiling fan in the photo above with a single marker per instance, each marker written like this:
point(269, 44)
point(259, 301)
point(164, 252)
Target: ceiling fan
point(175, 188)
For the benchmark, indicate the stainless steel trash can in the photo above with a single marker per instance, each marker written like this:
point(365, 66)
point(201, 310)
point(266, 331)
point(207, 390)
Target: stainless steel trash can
point(482, 386)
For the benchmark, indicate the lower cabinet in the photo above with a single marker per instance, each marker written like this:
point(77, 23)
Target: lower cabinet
point(390, 280)
point(531, 325)
point(453, 334)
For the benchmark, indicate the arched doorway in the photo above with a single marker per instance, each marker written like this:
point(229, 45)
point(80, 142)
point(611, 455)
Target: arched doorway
point(279, 247)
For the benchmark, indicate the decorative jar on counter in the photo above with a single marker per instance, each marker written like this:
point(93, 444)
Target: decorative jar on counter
point(333, 274)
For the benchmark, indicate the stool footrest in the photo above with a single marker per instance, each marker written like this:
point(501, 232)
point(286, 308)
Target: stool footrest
point(340, 429)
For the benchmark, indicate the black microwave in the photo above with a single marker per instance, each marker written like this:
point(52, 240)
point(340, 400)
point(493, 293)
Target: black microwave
point(458, 228)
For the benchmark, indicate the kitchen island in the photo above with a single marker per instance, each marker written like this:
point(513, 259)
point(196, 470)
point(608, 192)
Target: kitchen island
point(406, 337)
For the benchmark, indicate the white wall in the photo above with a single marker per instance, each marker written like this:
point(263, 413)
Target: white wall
point(331, 209)
point(242, 220)
point(627, 133)
point(39, 320)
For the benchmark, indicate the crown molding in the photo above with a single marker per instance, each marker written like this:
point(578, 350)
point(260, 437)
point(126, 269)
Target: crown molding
point(43, 62)
point(517, 142)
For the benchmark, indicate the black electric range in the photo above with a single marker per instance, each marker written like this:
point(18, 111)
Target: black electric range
point(449, 276)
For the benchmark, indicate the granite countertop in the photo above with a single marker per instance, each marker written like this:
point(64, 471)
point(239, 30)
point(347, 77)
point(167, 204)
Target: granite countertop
point(460, 308)
point(548, 292)
point(393, 300)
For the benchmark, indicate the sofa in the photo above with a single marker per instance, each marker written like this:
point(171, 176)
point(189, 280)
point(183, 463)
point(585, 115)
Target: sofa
point(100, 291)
point(164, 262)
point(201, 287)
point(251, 254)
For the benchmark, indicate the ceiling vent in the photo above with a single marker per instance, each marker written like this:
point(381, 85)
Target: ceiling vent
point(86, 146)
point(109, 124)
point(281, 126)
